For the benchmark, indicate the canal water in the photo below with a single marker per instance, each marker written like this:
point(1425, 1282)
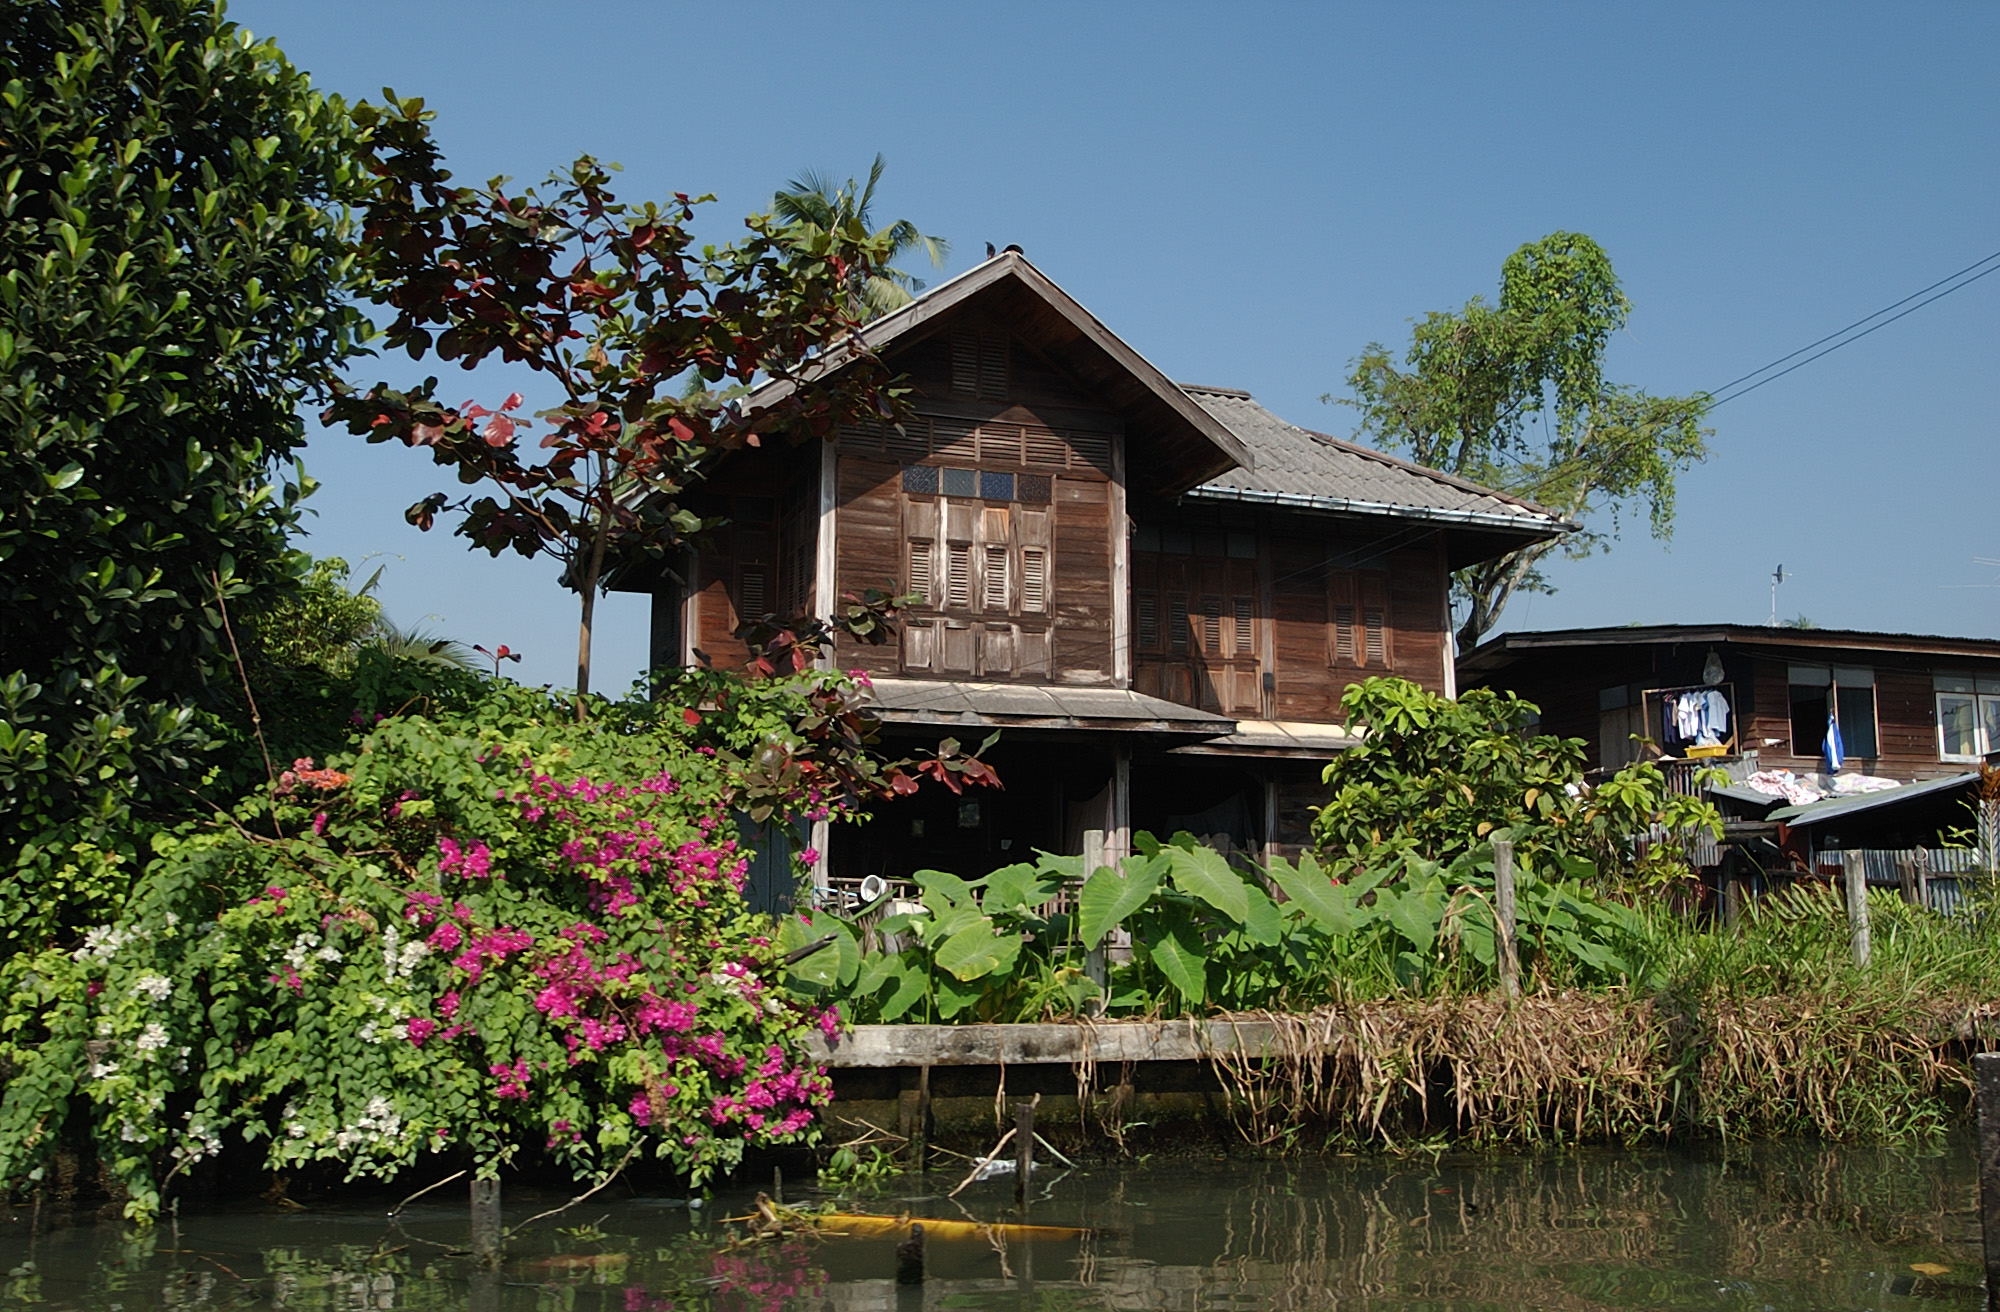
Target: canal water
point(1761, 1227)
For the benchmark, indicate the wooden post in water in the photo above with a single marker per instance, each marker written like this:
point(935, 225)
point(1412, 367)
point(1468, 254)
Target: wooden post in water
point(486, 1223)
point(1024, 1149)
point(1856, 878)
point(1503, 916)
point(1986, 1079)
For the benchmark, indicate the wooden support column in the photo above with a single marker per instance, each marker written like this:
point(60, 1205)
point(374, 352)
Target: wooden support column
point(1504, 945)
point(1093, 857)
point(1986, 1079)
point(486, 1232)
point(1024, 1149)
point(1118, 829)
point(1856, 879)
point(1121, 569)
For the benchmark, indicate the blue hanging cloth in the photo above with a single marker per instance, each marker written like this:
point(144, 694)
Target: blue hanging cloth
point(1836, 751)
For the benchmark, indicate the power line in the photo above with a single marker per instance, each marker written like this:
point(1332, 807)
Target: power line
point(1731, 396)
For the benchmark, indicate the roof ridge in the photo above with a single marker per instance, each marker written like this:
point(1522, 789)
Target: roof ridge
point(1215, 391)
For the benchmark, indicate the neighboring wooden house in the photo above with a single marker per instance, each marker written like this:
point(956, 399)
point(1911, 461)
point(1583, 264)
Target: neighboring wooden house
point(1158, 591)
point(1909, 707)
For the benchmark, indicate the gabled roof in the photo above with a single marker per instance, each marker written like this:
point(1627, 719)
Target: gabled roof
point(1298, 467)
point(1497, 653)
point(1182, 442)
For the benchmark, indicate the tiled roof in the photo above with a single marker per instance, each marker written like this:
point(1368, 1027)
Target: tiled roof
point(1298, 467)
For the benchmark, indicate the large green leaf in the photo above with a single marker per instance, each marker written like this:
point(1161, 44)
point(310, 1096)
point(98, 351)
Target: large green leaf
point(1203, 874)
point(833, 966)
point(954, 996)
point(1111, 895)
point(1262, 925)
point(908, 978)
point(1318, 897)
point(942, 889)
point(977, 951)
point(1015, 888)
point(1415, 914)
point(1179, 953)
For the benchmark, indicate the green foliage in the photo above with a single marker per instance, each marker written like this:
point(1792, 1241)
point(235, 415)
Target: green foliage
point(1438, 777)
point(612, 303)
point(490, 934)
point(815, 200)
point(1474, 381)
point(1204, 935)
point(174, 279)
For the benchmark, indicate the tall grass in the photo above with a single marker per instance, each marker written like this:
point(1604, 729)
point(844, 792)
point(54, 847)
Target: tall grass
point(1767, 1029)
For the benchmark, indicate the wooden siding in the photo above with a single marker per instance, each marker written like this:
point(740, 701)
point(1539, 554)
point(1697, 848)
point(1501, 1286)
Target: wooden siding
point(1324, 612)
point(1566, 682)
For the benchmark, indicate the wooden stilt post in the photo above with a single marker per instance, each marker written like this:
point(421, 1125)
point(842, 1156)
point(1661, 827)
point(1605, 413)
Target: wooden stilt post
point(1503, 915)
point(922, 1138)
point(1024, 1149)
point(486, 1222)
point(1093, 958)
point(1856, 878)
point(1986, 1078)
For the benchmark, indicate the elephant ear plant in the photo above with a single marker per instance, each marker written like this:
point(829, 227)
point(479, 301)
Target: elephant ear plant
point(1204, 936)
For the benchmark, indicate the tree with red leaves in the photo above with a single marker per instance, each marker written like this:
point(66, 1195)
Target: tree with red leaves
point(617, 306)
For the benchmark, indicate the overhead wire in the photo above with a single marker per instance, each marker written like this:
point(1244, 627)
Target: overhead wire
point(1957, 280)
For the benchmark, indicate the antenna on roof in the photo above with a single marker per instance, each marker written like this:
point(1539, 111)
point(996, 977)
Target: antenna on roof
point(1777, 577)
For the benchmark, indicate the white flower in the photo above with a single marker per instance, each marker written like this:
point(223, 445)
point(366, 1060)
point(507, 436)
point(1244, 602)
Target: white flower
point(158, 987)
point(131, 1133)
point(102, 943)
point(103, 1070)
point(152, 1038)
point(369, 1034)
point(328, 953)
point(413, 952)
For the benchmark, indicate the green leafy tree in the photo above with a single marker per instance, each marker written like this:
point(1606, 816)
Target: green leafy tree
point(815, 199)
point(612, 304)
point(175, 277)
point(1514, 396)
point(1439, 777)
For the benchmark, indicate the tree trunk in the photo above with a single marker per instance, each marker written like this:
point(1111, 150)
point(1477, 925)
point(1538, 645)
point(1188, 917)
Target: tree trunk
point(592, 572)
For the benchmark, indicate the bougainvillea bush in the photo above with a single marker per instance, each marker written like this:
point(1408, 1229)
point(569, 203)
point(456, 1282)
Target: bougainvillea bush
point(475, 939)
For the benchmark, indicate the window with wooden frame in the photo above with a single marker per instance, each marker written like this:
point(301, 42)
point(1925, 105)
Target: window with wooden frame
point(1968, 716)
point(1358, 629)
point(1190, 597)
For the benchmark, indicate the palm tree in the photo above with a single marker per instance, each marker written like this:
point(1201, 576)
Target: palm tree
point(815, 198)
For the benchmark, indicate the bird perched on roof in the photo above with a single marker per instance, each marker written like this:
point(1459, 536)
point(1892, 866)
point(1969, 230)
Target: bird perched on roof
point(990, 252)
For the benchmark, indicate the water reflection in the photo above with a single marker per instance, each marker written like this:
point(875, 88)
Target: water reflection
point(1770, 1227)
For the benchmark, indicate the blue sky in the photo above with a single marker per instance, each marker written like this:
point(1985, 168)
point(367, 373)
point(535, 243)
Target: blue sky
point(1249, 194)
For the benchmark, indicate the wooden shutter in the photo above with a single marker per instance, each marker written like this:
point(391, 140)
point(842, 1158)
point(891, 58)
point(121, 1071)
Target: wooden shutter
point(993, 366)
point(1245, 626)
point(994, 593)
point(1034, 579)
point(1375, 620)
point(958, 576)
point(1211, 625)
point(965, 363)
point(1147, 604)
point(753, 592)
point(1342, 635)
point(1177, 622)
point(923, 580)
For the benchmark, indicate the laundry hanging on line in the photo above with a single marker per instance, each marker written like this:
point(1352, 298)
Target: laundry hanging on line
point(1698, 717)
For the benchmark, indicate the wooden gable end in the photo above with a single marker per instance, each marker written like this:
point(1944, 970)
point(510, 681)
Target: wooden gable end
point(993, 505)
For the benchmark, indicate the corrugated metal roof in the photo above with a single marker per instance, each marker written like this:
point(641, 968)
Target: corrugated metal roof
point(1813, 813)
point(1298, 467)
point(1037, 706)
